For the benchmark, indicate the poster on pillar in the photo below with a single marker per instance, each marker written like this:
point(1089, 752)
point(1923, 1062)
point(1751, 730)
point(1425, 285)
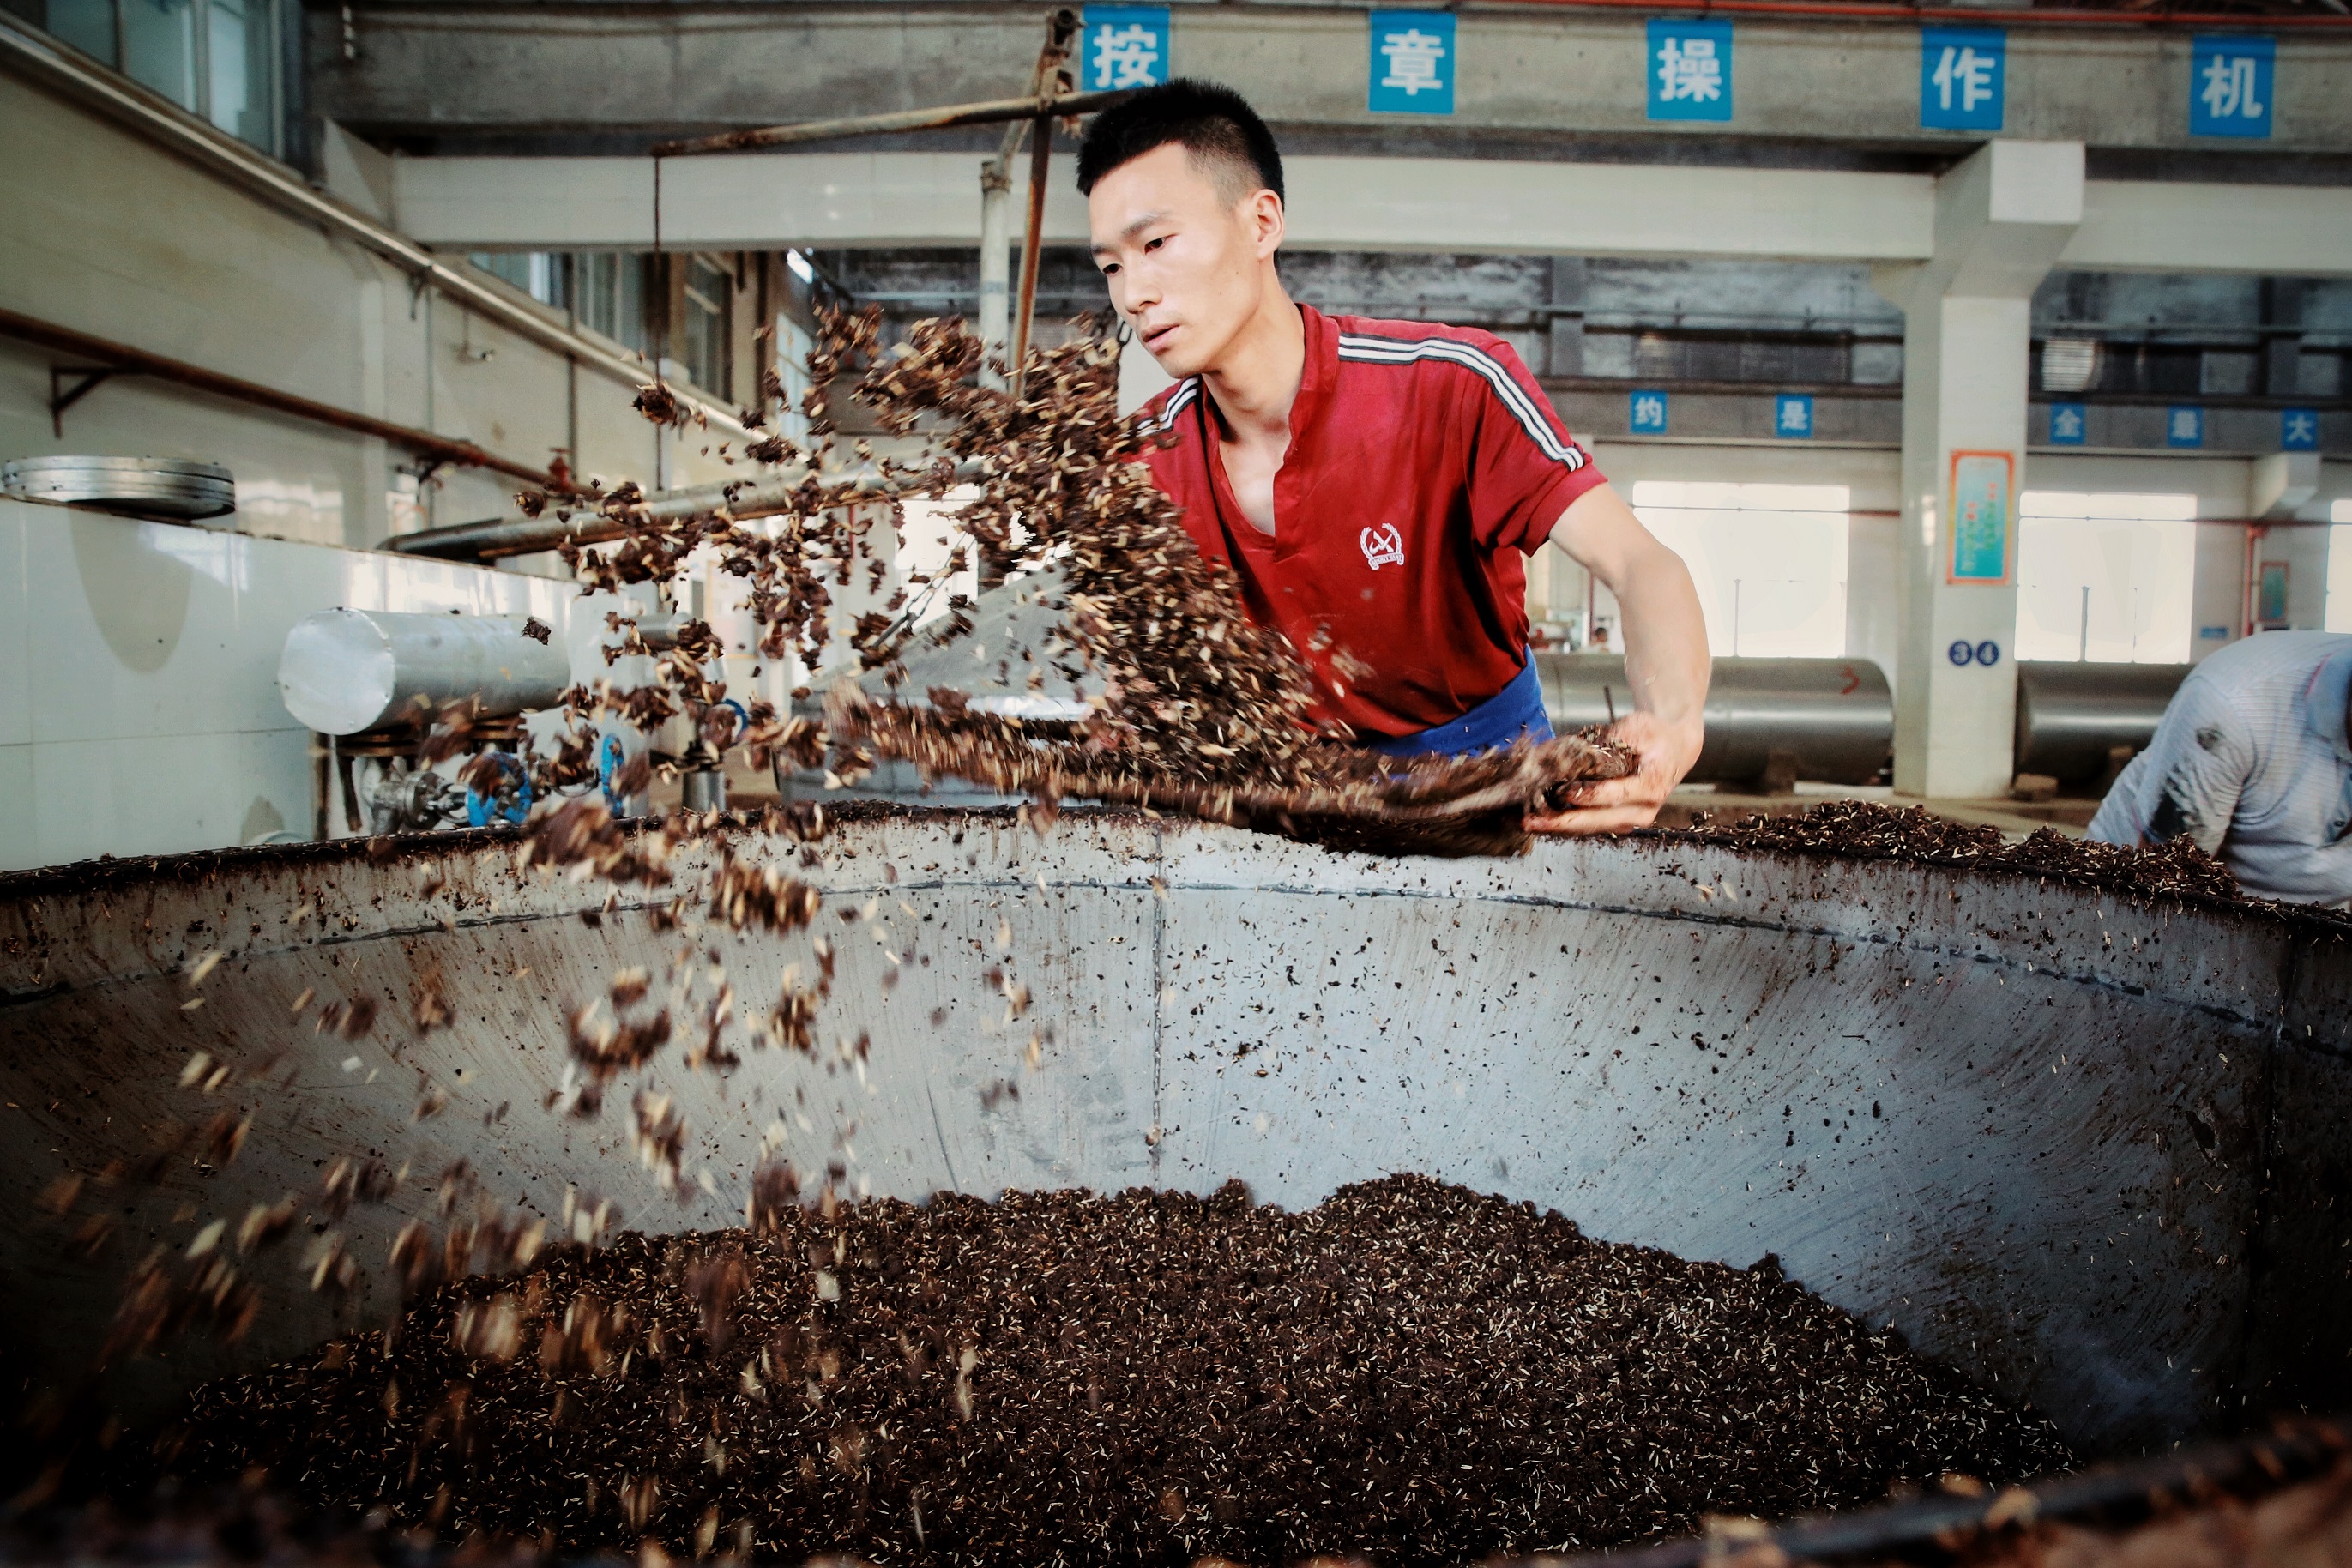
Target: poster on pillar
point(1982, 502)
point(1126, 46)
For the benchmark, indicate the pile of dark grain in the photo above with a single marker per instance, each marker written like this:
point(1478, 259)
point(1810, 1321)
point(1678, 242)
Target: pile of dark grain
point(1409, 1371)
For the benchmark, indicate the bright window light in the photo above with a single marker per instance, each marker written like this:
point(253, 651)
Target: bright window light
point(2107, 577)
point(1769, 562)
point(2339, 573)
point(800, 266)
point(2339, 510)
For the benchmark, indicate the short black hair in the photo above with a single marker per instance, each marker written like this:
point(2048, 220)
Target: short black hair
point(1213, 123)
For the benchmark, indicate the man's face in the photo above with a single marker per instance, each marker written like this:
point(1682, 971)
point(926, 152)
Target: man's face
point(1186, 266)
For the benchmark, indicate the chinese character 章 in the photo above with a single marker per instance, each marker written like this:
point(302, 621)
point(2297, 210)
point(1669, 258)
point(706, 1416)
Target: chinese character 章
point(1412, 61)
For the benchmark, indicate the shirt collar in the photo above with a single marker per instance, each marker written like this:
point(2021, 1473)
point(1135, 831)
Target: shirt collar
point(2330, 689)
point(1315, 377)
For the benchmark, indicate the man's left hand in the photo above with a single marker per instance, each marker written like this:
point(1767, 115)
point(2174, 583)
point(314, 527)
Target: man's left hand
point(1666, 749)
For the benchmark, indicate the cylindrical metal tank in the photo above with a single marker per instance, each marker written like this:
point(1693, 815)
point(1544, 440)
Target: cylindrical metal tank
point(2071, 716)
point(1837, 715)
point(348, 671)
point(2089, 1148)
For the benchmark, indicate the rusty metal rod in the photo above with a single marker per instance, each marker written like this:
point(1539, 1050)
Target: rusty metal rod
point(1040, 151)
point(993, 112)
point(124, 359)
point(498, 538)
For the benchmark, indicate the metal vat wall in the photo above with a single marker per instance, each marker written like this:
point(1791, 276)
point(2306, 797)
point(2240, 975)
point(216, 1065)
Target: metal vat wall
point(2026, 1124)
point(2069, 716)
point(1836, 714)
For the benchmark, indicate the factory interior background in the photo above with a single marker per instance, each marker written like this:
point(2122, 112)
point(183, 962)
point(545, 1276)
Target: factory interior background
point(389, 263)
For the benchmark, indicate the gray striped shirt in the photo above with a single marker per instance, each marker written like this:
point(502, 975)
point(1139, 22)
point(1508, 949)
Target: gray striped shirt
point(2251, 761)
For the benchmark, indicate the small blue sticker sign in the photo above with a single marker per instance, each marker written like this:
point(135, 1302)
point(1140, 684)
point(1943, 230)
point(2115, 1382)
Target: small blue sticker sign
point(1413, 62)
point(2230, 86)
point(1690, 70)
point(1124, 47)
point(1963, 77)
point(2069, 424)
point(2299, 430)
point(1646, 412)
point(1793, 417)
point(2184, 426)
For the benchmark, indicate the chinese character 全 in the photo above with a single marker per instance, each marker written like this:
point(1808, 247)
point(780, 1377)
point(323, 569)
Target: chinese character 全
point(1688, 68)
point(1412, 60)
point(1125, 56)
point(2067, 424)
point(2229, 90)
point(1970, 73)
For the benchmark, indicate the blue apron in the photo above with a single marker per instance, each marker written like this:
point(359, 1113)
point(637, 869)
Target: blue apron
point(1513, 714)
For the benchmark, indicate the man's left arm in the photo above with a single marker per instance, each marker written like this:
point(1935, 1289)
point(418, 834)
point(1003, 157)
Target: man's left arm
point(1666, 662)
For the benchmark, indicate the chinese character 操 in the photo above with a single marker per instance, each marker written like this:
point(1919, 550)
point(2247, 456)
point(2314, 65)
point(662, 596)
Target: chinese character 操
point(1688, 68)
point(1412, 61)
point(2229, 89)
point(1962, 72)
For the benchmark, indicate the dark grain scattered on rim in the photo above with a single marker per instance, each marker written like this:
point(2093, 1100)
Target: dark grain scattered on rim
point(1409, 1371)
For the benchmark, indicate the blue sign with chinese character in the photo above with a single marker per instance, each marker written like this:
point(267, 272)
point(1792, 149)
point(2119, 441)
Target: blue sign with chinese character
point(2230, 86)
point(1963, 74)
point(2299, 430)
point(1413, 62)
point(1690, 70)
point(1124, 47)
point(1793, 417)
point(1647, 412)
point(2069, 423)
point(2184, 426)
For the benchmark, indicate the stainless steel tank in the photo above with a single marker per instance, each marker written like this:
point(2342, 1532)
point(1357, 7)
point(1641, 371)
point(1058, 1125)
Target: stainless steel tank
point(1837, 715)
point(2089, 1148)
point(2071, 716)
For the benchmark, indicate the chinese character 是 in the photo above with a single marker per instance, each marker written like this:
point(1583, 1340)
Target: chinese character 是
point(1969, 73)
point(2229, 90)
point(2184, 424)
point(1412, 60)
point(1649, 410)
point(2067, 424)
point(1688, 68)
point(1794, 414)
point(1125, 56)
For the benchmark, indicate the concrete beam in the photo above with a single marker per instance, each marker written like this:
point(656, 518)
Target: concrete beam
point(509, 67)
point(757, 200)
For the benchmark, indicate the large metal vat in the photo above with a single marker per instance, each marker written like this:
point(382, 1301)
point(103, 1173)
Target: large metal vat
point(1837, 716)
point(2072, 717)
point(2089, 1148)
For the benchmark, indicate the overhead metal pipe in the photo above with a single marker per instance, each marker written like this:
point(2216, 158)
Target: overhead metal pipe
point(1914, 14)
point(124, 359)
point(993, 112)
point(501, 537)
point(345, 671)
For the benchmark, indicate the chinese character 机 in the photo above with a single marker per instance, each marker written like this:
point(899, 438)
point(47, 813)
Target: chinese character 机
point(1124, 57)
point(2229, 90)
point(1412, 61)
point(1688, 68)
point(1963, 70)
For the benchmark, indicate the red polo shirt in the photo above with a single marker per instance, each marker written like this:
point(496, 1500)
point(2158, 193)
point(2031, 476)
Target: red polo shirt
point(1424, 466)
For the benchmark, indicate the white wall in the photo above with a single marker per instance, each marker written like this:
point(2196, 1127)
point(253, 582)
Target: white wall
point(139, 704)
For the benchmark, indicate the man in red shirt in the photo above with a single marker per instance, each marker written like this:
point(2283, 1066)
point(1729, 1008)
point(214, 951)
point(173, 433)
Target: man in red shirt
point(1376, 486)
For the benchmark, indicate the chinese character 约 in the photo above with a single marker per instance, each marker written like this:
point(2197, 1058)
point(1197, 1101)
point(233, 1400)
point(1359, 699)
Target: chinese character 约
point(1125, 57)
point(2229, 90)
point(1795, 414)
point(1412, 60)
point(2067, 424)
point(1961, 68)
point(1649, 410)
point(1688, 68)
point(2302, 427)
point(2184, 424)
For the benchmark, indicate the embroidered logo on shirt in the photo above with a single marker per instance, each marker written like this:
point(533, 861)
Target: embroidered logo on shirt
point(1383, 546)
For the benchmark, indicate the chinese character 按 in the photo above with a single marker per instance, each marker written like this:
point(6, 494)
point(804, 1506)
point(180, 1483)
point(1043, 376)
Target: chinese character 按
point(1125, 56)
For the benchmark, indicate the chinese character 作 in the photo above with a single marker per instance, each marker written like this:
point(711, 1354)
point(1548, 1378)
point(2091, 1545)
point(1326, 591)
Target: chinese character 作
point(1412, 61)
point(1125, 56)
point(1964, 72)
point(1688, 68)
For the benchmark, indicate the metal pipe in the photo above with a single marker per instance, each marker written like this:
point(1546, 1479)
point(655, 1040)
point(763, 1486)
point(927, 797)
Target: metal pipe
point(995, 262)
point(499, 537)
point(1837, 715)
point(124, 359)
point(2071, 716)
point(1914, 14)
point(32, 55)
point(343, 672)
point(993, 112)
point(1041, 152)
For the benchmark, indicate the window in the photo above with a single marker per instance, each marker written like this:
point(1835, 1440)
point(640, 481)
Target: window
point(794, 346)
point(708, 322)
point(612, 296)
point(2339, 571)
point(2108, 578)
point(217, 58)
point(538, 273)
point(1769, 562)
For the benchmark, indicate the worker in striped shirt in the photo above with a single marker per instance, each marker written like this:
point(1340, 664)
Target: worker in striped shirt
point(2251, 762)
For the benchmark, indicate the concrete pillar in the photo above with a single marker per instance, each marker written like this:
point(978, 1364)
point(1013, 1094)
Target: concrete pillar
point(995, 263)
point(2001, 217)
